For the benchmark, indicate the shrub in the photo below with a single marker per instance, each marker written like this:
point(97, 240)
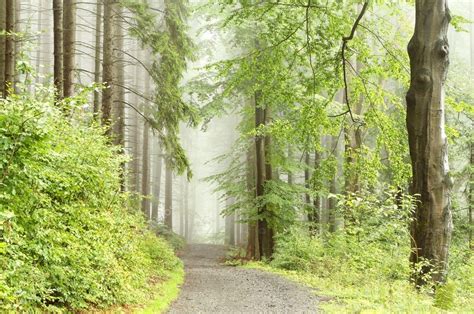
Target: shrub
point(71, 242)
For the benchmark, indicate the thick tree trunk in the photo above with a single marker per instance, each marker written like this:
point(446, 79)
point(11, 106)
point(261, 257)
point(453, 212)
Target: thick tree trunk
point(2, 47)
point(108, 65)
point(69, 38)
point(9, 75)
point(168, 196)
point(98, 57)
point(432, 225)
point(146, 171)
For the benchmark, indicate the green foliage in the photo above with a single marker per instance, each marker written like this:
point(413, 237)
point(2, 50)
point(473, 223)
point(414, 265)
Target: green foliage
point(365, 266)
point(174, 239)
point(68, 237)
point(444, 296)
point(171, 48)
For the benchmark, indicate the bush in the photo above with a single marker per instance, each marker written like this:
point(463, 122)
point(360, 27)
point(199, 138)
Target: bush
point(71, 241)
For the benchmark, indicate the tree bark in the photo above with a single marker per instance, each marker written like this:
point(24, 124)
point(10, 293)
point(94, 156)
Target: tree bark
point(252, 238)
point(69, 38)
point(98, 57)
point(146, 171)
point(157, 169)
point(432, 225)
point(108, 65)
point(168, 196)
point(268, 244)
point(9, 75)
point(118, 71)
point(58, 46)
point(3, 27)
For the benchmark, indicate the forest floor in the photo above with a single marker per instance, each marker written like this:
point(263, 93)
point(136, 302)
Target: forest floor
point(211, 287)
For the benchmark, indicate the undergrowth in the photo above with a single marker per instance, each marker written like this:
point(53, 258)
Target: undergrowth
point(365, 278)
point(70, 239)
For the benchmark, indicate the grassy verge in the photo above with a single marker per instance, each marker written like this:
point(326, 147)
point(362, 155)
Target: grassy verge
point(165, 293)
point(368, 296)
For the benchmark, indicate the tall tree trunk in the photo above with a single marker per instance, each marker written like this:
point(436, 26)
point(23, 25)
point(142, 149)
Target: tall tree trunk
point(186, 211)
point(290, 161)
point(229, 227)
point(97, 57)
point(316, 200)
point(267, 241)
point(69, 38)
point(332, 202)
point(157, 169)
point(181, 207)
point(108, 65)
point(146, 171)
point(252, 238)
point(9, 75)
point(3, 27)
point(58, 46)
point(432, 224)
point(168, 196)
point(307, 197)
point(119, 79)
point(260, 175)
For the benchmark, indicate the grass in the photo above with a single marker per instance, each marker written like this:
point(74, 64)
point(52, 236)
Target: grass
point(165, 293)
point(369, 296)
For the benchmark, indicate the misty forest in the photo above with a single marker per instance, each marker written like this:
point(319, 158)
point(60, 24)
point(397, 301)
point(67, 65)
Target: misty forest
point(236, 156)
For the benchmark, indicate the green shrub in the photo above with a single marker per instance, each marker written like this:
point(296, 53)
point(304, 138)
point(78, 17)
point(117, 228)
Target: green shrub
point(71, 242)
point(161, 230)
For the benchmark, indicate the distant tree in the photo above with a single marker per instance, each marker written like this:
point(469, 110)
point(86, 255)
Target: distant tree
point(108, 63)
point(9, 75)
point(58, 47)
point(69, 39)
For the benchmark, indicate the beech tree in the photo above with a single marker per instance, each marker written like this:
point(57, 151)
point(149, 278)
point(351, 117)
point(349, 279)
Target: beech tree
point(429, 58)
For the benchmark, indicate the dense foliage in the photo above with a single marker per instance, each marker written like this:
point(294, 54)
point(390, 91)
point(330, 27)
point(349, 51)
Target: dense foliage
point(69, 239)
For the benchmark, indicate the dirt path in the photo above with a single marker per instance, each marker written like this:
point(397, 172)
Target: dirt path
point(212, 288)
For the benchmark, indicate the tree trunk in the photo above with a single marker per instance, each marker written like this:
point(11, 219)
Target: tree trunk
point(69, 38)
point(332, 202)
point(252, 238)
point(316, 215)
point(267, 240)
point(2, 47)
point(119, 91)
point(186, 211)
point(168, 196)
point(108, 65)
point(58, 46)
point(97, 58)
point(230, 228)
point(157, 169)
point(307, 197)
point(9, 75)
point(146, 171)
point(432, 225)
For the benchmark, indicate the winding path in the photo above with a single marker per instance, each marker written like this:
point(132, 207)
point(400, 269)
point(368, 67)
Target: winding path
point(213, 288)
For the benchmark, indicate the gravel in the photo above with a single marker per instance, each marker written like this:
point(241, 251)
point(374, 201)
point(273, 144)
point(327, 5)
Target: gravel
point(210, 287)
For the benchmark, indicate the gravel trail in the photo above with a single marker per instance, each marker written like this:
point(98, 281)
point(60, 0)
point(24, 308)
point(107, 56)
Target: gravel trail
point(213, 288)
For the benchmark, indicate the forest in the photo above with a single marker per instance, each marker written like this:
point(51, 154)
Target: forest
point(236, 156)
